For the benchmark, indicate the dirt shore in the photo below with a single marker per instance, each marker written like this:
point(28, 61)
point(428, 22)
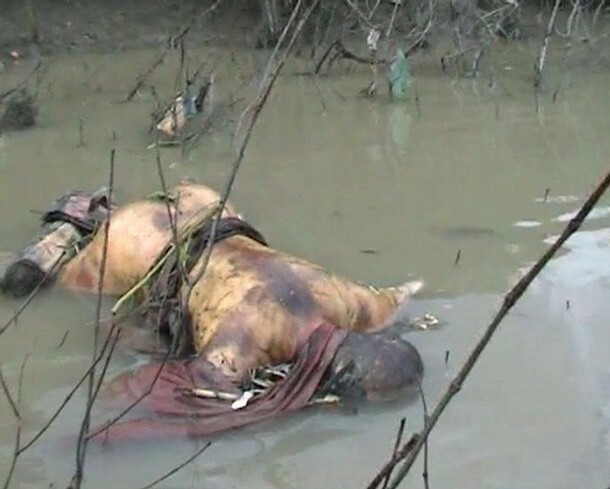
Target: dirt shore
point(39, 28)
point(42, 27)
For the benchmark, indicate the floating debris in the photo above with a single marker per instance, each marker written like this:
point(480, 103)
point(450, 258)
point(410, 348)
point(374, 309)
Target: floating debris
point(327, 399)
point(242, 402)
point(20, 112)
point(212, 394)
point(185, 106)
point(399, 77)
point(260, 381)
point(426, 321)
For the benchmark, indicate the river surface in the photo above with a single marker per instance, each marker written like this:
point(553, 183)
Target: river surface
point(378, 192)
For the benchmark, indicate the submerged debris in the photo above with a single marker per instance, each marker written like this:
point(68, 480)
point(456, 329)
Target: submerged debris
point(261, 379)
point(186, 106)
point(399, 77)
point(20, 111)
point(426, 321)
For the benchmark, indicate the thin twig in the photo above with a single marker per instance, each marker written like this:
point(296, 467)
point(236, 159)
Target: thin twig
point(63, 339)
point(16, 449)
point(195, 19)
point(144, 76)
point(399, 434)
point(211, 113)
point(414, 45)
point(187, 229)
point(102, 375)
point(337, 48)
point(542, 56)
point(598, 10)
point(570, 22)
point(84, 377)
point(329, 24)
point(374, 9)
point(509, 301)
point(81, 446)
point(13, 464)
point(397, 5)
point(181, 67)
point(253, 110)
point(173, 224)
point(159, 60)
point(325, 56)
point(179, 467)
point(402, 453)
point(417, 101)
point(363, 17)
point(7, 393)
point(425, 472)
point(22, 83)
point(140, 398)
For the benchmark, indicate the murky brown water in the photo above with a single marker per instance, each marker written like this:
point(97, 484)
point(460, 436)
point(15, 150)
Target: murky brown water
point(330, 177)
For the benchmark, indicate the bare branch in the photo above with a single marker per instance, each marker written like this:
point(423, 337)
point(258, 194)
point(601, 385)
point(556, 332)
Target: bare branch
point(360, 14)
point(399, 434)
point(179, 467)
point(509, 301)
point(85, 376)
point(387, 469)
point(171, 217)
point(131, 406)
point(22, 83)
point(271, 73)
point(539, 66)
point(7, 393)
point(16, 450)
point(251, 113)
point(144, 76)
point(159, 59)
point(425, 408)
point(81, 446)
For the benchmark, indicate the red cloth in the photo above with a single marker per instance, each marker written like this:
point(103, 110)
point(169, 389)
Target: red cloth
point(170, 395)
